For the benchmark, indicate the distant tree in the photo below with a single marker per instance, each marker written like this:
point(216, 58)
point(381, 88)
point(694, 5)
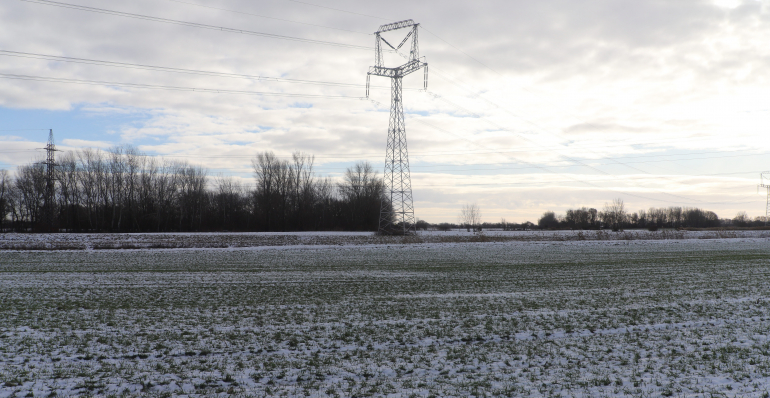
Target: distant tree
point(676, 216)
point(579, 218)
point(470, 216)
point(634, 219)
point(5, 191)
point(657, 216)
point(229, 208)
point(30, 190)
point(444, 226)
point(642, 220)
point(614, 214)
point(362, 191)
point(741, 219)
point(593, 217)
point(711, 218)
point(548, 221)
point(421, 224)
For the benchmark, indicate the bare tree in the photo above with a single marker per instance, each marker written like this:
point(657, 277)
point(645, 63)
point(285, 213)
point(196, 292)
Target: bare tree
point(741, 219)
point(5, 191)
point(303, 187)
point(642, 222)
point(30, 185)
point(69, 194)
point(579, 218)
point(614, 214)
point(90, 164)
point(226, 202)
point(362, 190)
point(191, 195)
point(470, 216)
point(265, 167)
point(122, 189)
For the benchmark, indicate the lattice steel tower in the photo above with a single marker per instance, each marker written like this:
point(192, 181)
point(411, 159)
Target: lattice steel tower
point(397, 209)
point(764, 182)
point(50, 188)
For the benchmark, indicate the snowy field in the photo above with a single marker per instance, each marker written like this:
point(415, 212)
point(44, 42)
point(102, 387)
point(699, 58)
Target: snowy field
point(127, 241)
point(586, 318)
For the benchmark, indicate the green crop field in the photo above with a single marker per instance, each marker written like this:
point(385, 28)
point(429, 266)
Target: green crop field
point(585, 319)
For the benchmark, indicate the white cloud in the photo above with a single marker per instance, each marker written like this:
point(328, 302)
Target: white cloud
point(562, 82)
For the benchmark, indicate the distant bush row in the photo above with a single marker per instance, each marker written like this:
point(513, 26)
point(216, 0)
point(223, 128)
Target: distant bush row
point(615, 216)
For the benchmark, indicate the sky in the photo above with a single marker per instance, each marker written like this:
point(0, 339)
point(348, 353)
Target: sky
point(530, 106)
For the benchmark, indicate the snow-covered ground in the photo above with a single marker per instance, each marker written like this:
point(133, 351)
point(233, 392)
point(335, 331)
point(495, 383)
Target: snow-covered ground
point(63, 241)
point(667, 317)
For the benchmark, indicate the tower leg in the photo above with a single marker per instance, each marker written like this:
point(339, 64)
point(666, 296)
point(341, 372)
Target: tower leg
point(50, 188)
point(767, 209)
point(397, 209)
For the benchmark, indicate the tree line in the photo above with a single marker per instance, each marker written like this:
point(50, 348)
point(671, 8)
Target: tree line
point(124, 190)
point(615, 216)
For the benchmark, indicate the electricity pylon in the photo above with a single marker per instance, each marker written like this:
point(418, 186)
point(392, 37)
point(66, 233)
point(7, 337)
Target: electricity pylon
point(50, 188)
point(764, 182)
point(397, 208)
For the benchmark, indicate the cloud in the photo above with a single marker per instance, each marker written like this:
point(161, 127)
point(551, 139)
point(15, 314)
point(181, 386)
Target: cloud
point(76, 143)
point(550, 84)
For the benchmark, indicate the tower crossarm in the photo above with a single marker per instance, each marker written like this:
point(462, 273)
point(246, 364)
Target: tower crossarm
point(764, 180)
point(396, 25)
point(403, 70)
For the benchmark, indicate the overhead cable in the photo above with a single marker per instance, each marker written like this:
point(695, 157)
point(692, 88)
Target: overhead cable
point(337, 9)
point(178, 70)
point(266, 17)
point(194, 24)
point(170, 88)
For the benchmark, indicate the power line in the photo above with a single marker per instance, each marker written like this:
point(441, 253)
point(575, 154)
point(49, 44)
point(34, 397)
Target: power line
point(177, 70)
point(337, 9)
point(170, 88)
point(263, 16)
point(193, 24)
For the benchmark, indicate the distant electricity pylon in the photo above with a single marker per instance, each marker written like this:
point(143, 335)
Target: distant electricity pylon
point(764, 182)
point(50, 178)
point(397, 209)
